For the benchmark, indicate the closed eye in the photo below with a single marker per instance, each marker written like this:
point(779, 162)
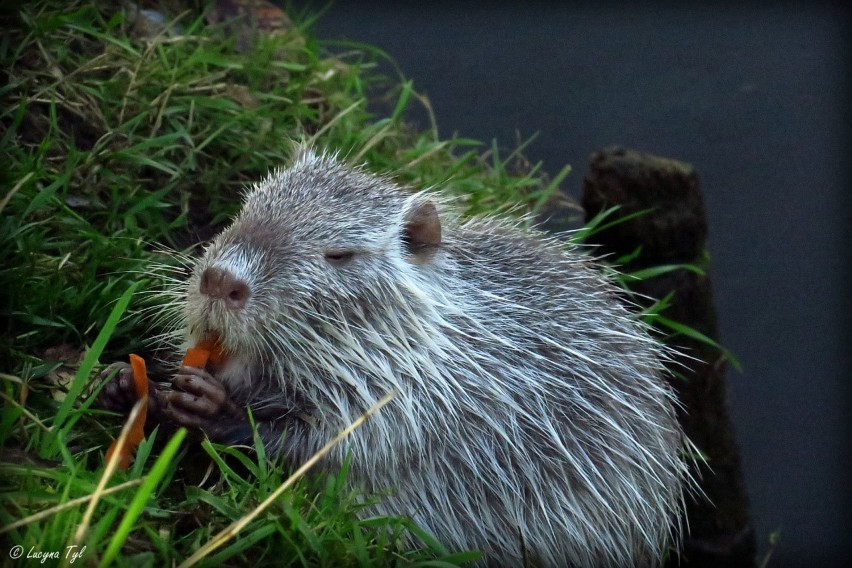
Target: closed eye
point(339, 256)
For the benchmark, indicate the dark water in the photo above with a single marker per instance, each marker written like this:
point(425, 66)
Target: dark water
point(757, 99)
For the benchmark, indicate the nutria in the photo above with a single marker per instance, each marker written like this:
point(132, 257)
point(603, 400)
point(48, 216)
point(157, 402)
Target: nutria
point(531, 420)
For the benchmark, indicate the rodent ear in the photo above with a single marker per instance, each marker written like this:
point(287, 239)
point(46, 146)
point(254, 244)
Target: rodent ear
point(421, 232)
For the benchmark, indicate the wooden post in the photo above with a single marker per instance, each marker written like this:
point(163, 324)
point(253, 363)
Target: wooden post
point(721, 533)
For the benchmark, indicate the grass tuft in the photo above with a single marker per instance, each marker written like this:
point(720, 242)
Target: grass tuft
point(123, 151)
point(118, 145)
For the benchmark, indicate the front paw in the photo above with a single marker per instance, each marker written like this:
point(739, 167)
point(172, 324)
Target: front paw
point(199, 400)
point(119, 393)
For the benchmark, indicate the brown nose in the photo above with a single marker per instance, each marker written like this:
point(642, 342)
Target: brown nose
point(223, 285)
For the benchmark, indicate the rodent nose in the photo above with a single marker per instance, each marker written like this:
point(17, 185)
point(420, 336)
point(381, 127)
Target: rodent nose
point(224, 285)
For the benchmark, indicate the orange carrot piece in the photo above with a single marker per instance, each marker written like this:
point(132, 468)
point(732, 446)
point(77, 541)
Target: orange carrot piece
point(140, 375)
point(137, 429)
point(196, 357)
point(207, 350)
point(123, 459)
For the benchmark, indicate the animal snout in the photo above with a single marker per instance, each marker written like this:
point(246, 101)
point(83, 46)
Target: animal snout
point(223, 285)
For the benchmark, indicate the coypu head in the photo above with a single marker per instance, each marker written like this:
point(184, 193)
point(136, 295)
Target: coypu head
point(317, 248)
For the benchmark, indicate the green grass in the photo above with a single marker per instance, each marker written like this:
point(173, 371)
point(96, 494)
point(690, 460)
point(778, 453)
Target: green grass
point(113, 148)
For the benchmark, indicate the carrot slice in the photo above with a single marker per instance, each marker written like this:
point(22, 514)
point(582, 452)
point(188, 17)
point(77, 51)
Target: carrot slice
point(196, 357)
point(207, 350)
point(140, 375)
point(137, 429)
